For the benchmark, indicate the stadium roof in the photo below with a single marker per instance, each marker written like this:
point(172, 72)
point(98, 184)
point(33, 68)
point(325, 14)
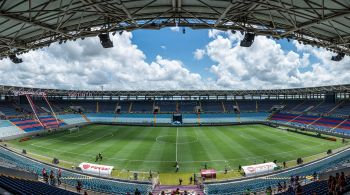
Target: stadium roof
point(31, 24)
point(12, 90)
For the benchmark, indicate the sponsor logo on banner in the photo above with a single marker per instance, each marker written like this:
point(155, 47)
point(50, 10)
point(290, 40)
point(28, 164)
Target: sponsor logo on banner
point(259, 168)
point(96, 169)
point(35, 93)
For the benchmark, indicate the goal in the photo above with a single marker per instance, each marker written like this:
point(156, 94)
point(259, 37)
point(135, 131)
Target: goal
point(74, 130)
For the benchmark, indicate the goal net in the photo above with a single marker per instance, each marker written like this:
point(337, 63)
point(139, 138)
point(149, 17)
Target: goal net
point(73, 130)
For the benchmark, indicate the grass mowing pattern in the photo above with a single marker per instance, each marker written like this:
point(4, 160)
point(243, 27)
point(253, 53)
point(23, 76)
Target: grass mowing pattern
point(154, 148)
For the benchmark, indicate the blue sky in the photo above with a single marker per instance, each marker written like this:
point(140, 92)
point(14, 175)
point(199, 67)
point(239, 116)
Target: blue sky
point(168, 59)
point(177, 46)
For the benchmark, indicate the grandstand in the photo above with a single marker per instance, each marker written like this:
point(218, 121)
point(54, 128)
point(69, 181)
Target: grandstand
point(146, 135)
point(314, 114)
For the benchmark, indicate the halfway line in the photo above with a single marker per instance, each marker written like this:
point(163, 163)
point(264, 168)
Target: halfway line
point(177, 133)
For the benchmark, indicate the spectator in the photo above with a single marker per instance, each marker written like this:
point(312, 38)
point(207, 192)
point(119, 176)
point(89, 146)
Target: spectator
point(329, 182)
point(279, 188)
point(52, 178)
point(292, 180)
point(79, 186)
point(314, 176)
point(137, 192)
point(43, 172)
point(299, 190)
point(59, 173)
point(342, 182)
point(284, 185)
point(268, 190)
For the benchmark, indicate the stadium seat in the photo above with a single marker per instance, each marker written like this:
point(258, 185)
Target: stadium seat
point(29, 187)
point(92, 183)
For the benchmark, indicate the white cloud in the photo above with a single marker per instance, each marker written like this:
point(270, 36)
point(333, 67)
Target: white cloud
point(266, 65)
point(199, 54)
point(163, 47)
point(175, 28)
point(214, 33)
point(84, 64)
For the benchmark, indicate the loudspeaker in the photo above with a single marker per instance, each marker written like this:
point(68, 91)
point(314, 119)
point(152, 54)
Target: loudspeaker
point(338, 57)
point(15, 59)
point(105, 40)
point(247, 40)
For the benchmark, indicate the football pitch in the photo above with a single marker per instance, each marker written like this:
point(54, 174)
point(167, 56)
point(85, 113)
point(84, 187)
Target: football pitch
point(139, 148)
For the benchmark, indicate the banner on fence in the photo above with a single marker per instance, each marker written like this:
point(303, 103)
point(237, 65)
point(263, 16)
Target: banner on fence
point(259, 168)
point(95, 169)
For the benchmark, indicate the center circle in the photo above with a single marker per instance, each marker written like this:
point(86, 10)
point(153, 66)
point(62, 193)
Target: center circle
point(173, 139)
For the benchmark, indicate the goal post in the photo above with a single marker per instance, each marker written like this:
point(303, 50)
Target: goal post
point(74, 130)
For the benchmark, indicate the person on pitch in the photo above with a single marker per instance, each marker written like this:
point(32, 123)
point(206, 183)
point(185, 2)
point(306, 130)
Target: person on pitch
point(100, 156)
point(97, 157)
point(177, 168)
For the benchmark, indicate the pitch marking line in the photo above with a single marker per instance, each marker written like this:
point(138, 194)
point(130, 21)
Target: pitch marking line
point(78, 134)
point(158, 139)
point(177, 133)
point(111, 134)
point(153, 161)
point(83, 144)
point(56, 139)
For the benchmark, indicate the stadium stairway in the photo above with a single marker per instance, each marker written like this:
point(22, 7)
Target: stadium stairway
point(191, 189)
point(86, 118)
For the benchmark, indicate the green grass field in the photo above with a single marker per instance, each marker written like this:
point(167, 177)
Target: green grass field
point(157, 148)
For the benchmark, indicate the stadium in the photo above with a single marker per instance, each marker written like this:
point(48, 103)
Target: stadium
point(173, 140)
